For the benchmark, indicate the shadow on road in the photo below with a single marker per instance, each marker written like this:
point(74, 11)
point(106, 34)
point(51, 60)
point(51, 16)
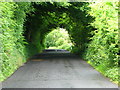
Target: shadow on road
point(54, 54)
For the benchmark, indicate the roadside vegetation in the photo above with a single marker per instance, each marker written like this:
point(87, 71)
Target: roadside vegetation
point(103, 48)
point(26, 28)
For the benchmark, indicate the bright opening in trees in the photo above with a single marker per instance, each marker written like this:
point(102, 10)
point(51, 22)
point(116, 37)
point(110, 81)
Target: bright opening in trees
point(58, 39)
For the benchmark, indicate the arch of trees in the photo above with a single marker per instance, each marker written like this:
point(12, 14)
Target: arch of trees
point(47, 16)
point(24, 26)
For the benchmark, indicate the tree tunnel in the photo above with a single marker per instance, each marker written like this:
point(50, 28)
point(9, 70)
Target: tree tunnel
point(91, 26)
point(48, 16)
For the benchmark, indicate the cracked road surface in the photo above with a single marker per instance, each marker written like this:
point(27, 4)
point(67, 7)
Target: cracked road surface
point(57, 69)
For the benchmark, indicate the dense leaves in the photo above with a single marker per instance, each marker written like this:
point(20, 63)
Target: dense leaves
point(102, 50)
point(49, 16)
point(13, 52)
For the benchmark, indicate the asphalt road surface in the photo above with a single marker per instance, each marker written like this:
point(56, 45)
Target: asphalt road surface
point(57, 69)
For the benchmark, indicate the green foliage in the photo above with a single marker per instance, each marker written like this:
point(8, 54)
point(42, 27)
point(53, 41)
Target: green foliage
point(50, 15)
point(13, 51)
point(58, 39)
point(103, 48)
point(113, 74)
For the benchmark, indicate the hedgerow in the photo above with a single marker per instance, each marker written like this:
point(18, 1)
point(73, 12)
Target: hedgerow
point(13, 51)
point(103, 48)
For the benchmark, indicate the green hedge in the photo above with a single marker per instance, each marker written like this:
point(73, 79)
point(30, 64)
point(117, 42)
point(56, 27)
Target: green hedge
point(13, 52)
point(103, 48)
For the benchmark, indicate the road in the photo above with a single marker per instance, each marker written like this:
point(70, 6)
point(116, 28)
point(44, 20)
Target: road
point(57, 69)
